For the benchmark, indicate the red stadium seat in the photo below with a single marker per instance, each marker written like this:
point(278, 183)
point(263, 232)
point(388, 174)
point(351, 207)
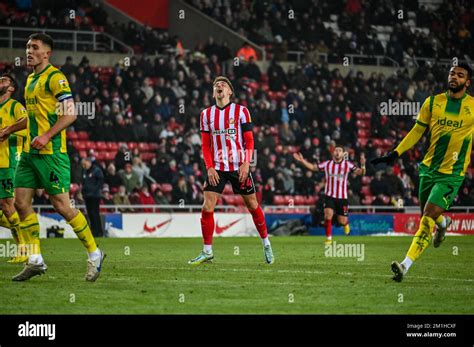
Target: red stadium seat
point(278, 200)
point(110, 156)
point(79, 145)
point(73, 188)
point(83, 135)
point(91, 145)
point(101, 146)
point(166, 188)
point(365, 190)
point(83, 154)
point(72, 135)
point(143, 147)
point(112, 146)
point(154, 186)
point(132, 145)
point(100, 156)
point(299, 200)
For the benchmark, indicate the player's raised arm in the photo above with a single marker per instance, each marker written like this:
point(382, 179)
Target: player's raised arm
point(65, 109)
point(299, 158)
point(361, 170)
point(415, 134)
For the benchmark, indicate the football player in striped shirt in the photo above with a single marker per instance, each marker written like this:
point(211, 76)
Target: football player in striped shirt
point(44, 162)
point(449, 119)
point(12, 131)
point(227, 146)
point(336, 172)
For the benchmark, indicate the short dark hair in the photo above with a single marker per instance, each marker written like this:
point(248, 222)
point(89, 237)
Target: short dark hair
point(466, 67)
point(45, 38)
point(14, 84)
point(224, 79)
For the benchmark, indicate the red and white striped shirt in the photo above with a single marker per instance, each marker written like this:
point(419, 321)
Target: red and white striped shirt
point(225, 127)
point(336, 177)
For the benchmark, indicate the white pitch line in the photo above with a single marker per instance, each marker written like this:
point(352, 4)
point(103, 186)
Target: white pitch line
point(311, 272)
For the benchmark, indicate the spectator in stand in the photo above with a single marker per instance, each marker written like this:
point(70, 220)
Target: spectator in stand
point(377, 186)
point(246, 52)
point(145, 198)
point(182, 193)
point(160, 198)
point(129, 178)
point(107, 198)
point(269, 192)
point(93, 179)
point(122, 157)
point(121, 198)
point(112, 179)
point(393, 184)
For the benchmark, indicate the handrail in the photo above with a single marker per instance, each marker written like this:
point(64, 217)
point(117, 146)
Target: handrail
point(93, 39)
point(268, 209)
point(351, 57)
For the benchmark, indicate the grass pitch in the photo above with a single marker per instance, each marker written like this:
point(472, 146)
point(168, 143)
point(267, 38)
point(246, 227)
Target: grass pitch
point(151, 276)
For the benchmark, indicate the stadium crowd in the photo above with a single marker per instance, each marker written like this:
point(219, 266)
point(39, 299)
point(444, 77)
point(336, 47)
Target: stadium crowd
point(309, 108)
point(297, 25)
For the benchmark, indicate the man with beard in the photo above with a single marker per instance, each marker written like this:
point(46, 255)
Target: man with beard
point(449, 116)
point(12, 125)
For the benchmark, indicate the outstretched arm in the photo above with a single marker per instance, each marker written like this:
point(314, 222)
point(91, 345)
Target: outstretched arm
point(299, 158)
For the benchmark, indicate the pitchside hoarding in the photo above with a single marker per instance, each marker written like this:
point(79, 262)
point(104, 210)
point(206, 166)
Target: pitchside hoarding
point(241, 224)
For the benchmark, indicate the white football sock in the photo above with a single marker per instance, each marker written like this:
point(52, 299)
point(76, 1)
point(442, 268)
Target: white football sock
point(35, 259)
point(94, 255)
point(407, 262)
point(207, 249)
point(266, 242)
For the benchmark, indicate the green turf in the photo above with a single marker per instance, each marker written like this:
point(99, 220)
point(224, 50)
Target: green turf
point(155, 276)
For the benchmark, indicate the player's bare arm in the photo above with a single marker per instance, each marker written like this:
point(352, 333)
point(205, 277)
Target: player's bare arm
point(63, 122)
point(361, 171)
point(299, 158)
point(7, 131)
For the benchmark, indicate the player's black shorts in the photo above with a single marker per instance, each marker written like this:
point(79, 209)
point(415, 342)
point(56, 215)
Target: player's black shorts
point(242, 188)
point(340, 206)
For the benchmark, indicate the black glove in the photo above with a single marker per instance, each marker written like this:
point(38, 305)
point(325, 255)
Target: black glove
point(388, 159)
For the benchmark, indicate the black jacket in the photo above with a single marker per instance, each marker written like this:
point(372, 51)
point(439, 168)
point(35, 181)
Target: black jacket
point(93, 180)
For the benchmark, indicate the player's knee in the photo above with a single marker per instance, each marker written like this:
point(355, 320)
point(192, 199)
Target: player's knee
point(62, 207)
point(251, 203)
point(21, 205)
point(209, 204)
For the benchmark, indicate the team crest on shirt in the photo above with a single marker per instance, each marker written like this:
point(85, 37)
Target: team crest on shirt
point(467, 111)
point(231, 121)
point(63, 84)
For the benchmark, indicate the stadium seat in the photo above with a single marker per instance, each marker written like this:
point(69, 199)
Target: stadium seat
point(278, 200)
point(73, 188)
point(79, 145)
point(143, 146)
point(154, 187)
point(83, 154)
point(100, 156)
point(72, 135)
point(110, 156)
point(166, 188)
point(132, 145)
point(83, 135)
point(112, 146)
point(90, 145)
point(365, 190)
point(101, 146)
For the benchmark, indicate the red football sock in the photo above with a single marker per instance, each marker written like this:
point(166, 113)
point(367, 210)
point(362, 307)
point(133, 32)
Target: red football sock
point(207, 226)
point(259, 221)
point(328, 226)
